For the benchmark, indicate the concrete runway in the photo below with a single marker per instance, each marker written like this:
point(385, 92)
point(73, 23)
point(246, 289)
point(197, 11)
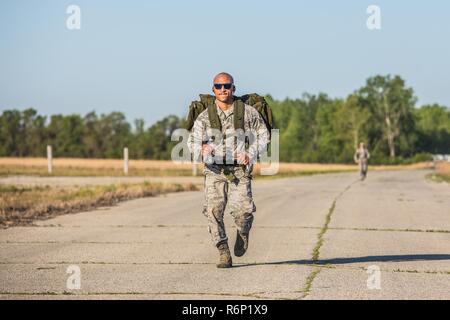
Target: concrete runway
point(326, 236)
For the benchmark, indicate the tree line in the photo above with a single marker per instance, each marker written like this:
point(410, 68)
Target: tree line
point(314, 128)
point(382, 113)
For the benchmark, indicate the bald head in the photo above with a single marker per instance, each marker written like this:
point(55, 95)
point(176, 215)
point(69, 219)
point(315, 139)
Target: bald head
point(225, 88)
point(223, 77)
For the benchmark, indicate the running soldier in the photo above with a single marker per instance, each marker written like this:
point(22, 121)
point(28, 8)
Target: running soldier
point(228, 168)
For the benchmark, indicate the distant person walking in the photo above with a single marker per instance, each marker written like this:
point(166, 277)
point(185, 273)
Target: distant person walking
point(361, 157)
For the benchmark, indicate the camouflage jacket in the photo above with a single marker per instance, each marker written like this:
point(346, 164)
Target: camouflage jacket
point(230, 142)
point(361, 155)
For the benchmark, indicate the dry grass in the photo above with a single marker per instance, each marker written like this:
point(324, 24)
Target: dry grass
point(442, 172)
point(21, 205)
point(157, 168)
point(91, 163)
point(414, 166)
point(443, 167)
point(91, 167)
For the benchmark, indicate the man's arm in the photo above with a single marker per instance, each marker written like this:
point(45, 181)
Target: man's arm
point(259, 145)
point(196, 138)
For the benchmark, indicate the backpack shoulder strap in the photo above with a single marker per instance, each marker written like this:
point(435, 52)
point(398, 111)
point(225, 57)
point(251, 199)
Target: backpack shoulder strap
point(214, 117)
point(239, 111)
point(208, 102)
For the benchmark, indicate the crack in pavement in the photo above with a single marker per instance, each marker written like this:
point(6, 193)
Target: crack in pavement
point(255, 227)
point(320, 240)
point(257, 295)
point(327, 266)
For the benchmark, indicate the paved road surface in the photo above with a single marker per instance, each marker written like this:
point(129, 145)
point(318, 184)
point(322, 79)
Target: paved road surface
point(314, 237)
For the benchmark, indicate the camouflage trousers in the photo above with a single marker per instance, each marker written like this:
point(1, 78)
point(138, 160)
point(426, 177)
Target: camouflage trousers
point(363, 168)
point(228, 187)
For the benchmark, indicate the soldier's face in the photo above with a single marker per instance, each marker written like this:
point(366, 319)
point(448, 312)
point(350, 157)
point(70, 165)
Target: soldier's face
point(223, 94)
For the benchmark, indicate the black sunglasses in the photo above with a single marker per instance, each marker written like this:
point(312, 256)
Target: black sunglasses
point(219, 86)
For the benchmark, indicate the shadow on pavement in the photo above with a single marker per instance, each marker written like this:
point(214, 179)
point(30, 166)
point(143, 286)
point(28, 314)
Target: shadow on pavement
point(387, 258)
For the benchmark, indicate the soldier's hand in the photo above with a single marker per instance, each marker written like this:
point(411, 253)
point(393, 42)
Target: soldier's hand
point(206, 150)
point(243, 158)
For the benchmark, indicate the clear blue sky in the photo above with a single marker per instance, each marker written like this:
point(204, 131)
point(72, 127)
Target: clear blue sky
point(150, 58)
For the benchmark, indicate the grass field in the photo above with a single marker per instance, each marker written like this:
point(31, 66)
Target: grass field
point(91, 167)
point(441, 173)
point(155, 168)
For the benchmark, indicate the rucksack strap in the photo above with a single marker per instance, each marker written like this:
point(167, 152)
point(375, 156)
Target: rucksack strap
point(239, 111)
point(238, 115)
point(214, 117)
point(207, 101)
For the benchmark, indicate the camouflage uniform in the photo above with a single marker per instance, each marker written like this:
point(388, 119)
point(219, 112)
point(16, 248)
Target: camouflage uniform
point(362, 156)
point(228, 183)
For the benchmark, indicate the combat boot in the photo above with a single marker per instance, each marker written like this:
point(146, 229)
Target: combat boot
point(225, 256)
point(241, 245)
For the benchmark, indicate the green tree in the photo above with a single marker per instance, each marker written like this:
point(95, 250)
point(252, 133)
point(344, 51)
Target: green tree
point(65, 134)
point(391, 105)
point(32, 134)
point(433, 124)
point(92, 138)
point(116, 134)
point(159, 137)
point(10, 135)
point(140, 142)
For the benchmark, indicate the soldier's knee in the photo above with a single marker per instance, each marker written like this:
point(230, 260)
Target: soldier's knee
point(244, 221)
point(215, 210)
point(248, 216)
point(244, 210)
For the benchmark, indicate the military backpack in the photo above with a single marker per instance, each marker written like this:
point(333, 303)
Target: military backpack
point(207, 101)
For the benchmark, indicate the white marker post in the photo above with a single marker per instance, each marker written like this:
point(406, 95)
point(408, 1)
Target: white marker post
point(125, 160)
point(49, 159)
